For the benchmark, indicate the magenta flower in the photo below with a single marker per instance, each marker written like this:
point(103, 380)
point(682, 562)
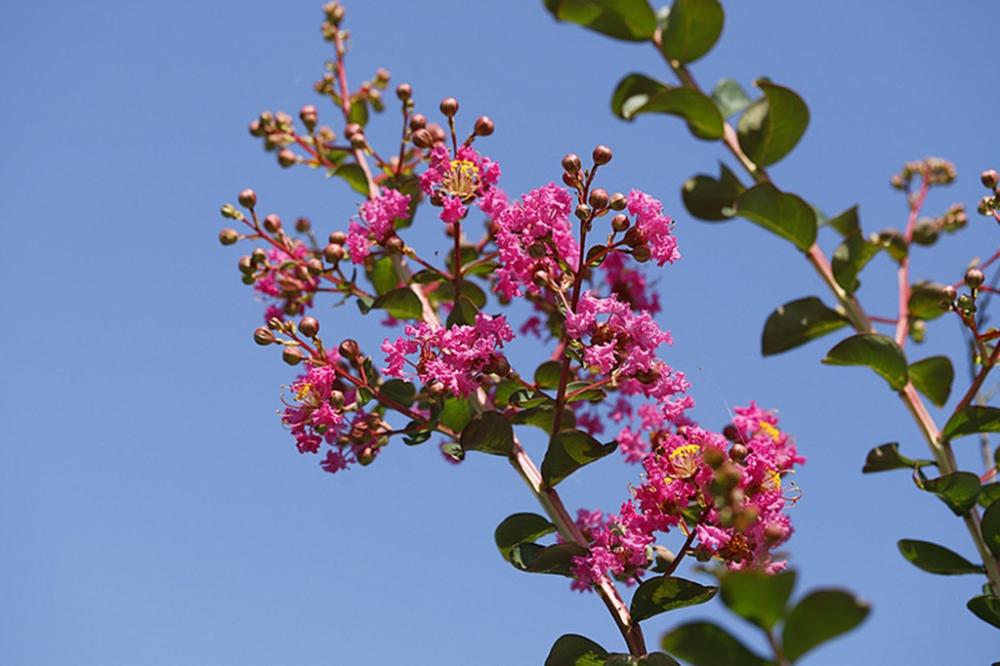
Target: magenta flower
point(282, 280)
point(653, 226)
point(378, 223)
point(459, 181)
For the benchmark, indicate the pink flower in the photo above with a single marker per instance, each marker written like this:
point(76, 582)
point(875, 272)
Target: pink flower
point(459, 181)
point(379, 217)
point(629, 285)
point(281, 281)
point(653, 226)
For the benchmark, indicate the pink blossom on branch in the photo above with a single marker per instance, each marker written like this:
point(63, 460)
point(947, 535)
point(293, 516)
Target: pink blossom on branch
point(653, 227)
point(378, 223)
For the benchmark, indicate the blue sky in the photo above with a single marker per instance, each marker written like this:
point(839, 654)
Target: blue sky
point(152, 509)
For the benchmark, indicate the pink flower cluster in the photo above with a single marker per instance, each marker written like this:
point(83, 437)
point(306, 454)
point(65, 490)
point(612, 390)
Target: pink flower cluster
point(378, 219)
point(453, 183)
point(285, 280)
point(653, 227)
point(455, 356)
point(735, 489)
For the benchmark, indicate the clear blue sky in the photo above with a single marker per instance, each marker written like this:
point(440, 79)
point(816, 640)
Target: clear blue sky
point(152, 509)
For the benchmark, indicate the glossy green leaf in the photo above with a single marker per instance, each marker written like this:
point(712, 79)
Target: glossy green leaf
point(569, 451)
point(457, 412)
point(542, 417)
point(652, 659)
point(990, 526)
point(504, 390)
point(959, 490)
point(520, 528)
point(970, 420)
point(692, 29)
point(418, 434)
point(822, 615)
point(400, 304)
point(878, 352)
point(989, 493)
point(463, 314)
point(771, 126)
point(925, 300)
point(577, 391)
point(666, 593)
point(757, 597)
point(933, 377)
point(547, 375)
point(845, 222)
point(354, 175)
point(786, 215)
point(936, 559)
point(850, 257)
point(629, 20)
point(887, 457)
point(489, 432)
point(383, 275)
point(707, 644)
point(575, 650)
point(986, 608)
point(528, 398)
point(556, 559)
point(637, 94)
point(797, 323)
point(399, 391)
point(712, 200)
point(730, 97)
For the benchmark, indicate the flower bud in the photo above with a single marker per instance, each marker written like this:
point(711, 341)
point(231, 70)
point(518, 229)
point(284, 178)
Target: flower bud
point(620, 222)
point(309, 116)
point(263, 336)
point(309, 327)
point(228, 236)
point(246, 265)
point(966, 304)
point(336, 399)
point(394, 245)
point(728, 475)
point(338, 238)
point(272, 223)
point(435, 389)
point(738, 452)
point(314, 267)
point(948, 295)
point(713, 457)
point(499, 365)
point(985, 205)
point(417, 121)
point(437, 133)
point(258, 256)
point(248, 198)
point(571, 178)
point(774, 532)
point(925, 232)
point(537, 250)
point(974, 278)
point(484, 126)
point(333, 253)
point(642, 253)
point(349, 350)
point(449, 107)
point(582, 212)
point(404, 91)
point(633, 237)
point(731, 433)
point(572, 163)
point(598, 198)
point(351, 130)
point(302, 225)
point(618, 201)
point(991, 179)
point(256, 129)
point(228, 211)
point(286, 157)
point(422, 139)
point(291, 355)
point(602, 155)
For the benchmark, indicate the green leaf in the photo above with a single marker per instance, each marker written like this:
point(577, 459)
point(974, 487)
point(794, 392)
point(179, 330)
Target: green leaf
point(887, 457)
point(528, 398)
point(457, 412)
point(707, 644)
point(422, 435)
point(520, 528)
point(556, 559)
point(712, 200)
point(822, 615)
point(692, 29)
point(786, 215)
point(489, 432)
point(463, 314)
point(637, 94)
point(575, 650)
point(542, 417)
point(771, 126)
point(569, 451)
point(925, 300)
point(628, 20)
point(797, 323)
point(933, 377)
point(936, 559)
point(845, 222)
point(988, 494)
point(358, 113)
point(547, 375)
point(850, 257)
point(383, 275)
point(666, 593)
point(986, 608)
point(577, 391)
point(399, 391)
point(400, 304)
point(365, 304)
point(730, 97)
point(453, 450)
point(959, 490)
point(970, 420)
point(757, 597)
point(878, 352)
point(990, 527)
point(354, 175)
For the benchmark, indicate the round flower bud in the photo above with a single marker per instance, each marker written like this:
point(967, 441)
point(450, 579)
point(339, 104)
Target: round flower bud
point(484, 126)
point(272, 223)
point(228, 236)
point(572, 163)
point(602, 155)
point(582, 211)
point(619, 222)
point(258, 256)
point(336, 399)
point(314, 266)
point(536, 250)
point(728, 475)
point(228, 211)
point(571, 178)
point(633, 237)
point(918, 330)
point(248, 198)
point(302, 225)
point(394, 245)
point(449, 107)
point(417, 121)
point(309, 327)
point(974, 278)
point(925, 232)
point(404, 91)
point(256, 129)
point(382, 75)
point(948, 293)
point(985, 205)
point(435, 389)
point(731, 433)
point(309, 116)
point(338, 238)
point(642, 253)
point(738, 453)
point(966, 304)
point(618, 201)
point(349, 349)
point(498, 366)
point(422, 139)
point(246, 265)
point(351, 130)
point(291, 355)
point(263, 336)
point(333, 253)
point(774, 533)
point(286, 157)
point(991, 179)
point(713, 457)
point(598, 198)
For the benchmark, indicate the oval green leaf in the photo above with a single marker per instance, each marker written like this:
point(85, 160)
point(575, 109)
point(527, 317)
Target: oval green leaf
point(959, 490)
point(986, 608)
point(547, 375)
point(822, 615)
point(712, 200)
point(878, 352)
point(692, 29)
point(707, 644)
point(757, 597)
point(989, 493)
point(457, 412)
point(489, 432)
point(730, 97)
point(970, 420)
point(400, 303)
point(520, 528)
point(576, 650)
point(666, 593)
point(637, 94)
point(569, 451)
point(933, 377)
point(844, 222)
point(353, 174)
point(990, 527)
point(797, 323)
point(925, 300)
point(786, 215)
point(555, 559)
point(628, 20)
point(887, 457)
point(850, 257)
point(936, 559)
point(771, 126)
point(463, 313)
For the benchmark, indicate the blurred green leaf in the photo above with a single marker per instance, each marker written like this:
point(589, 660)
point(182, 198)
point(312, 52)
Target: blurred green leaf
point(959, 490)
point(585, 393)
point(970, 420)
point(989, 493)
point(556, 559)
point(933, 377)
point(986, 608)
point(457, 412)
point(925, 300)
point(575, 650)
point(542, 417)
point(786, 215)
point(772, 125)
point(757, 597)
point(628, 20)
point(528, 398)
point(712, 200)
point(520, 528)
point(844, 222)
point(399, 391)
point(547, 375)
point(489, 432)
point(692, 29)
point(878, 352)
point(707, 644)
point(990, 527)
point(383, 275)
point(936, 559)
point(822, 615)
point(797, 323)
point(569, 451)
point(453, 450)
point(887, 457)
point(463, 314)
point(354, 175)
point(637, 94)
point(664, 593)
point(400, 303)
point(730, 97)
point(850, 257)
